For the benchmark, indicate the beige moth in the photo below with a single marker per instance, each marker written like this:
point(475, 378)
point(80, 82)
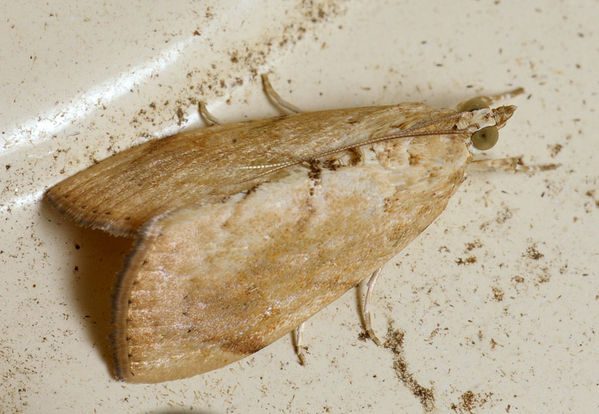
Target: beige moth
point(245, 230)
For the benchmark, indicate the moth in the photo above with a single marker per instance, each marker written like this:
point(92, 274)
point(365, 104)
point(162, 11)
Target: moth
point(245, 230)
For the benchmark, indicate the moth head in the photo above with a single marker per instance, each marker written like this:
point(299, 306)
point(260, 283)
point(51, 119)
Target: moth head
point(486, 137)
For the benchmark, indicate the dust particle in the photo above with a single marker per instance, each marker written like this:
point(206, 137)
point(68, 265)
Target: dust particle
point(469, 401)
point(497, 293)
point(533, 253)
point(548, 167)
point(493, 343)
point(504, 215)
point(476, 244)
point(591, 194)
point(555, 149)
point(545, 276)
point(394, 343)
point(466, 261)
point(518, 279)
point(180, 116)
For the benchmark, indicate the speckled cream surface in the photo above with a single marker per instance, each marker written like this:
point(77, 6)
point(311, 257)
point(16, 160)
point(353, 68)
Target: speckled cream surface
point(494, 308)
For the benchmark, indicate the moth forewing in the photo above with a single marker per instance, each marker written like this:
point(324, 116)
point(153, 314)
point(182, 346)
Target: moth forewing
point(216, 281)
point(123, 192)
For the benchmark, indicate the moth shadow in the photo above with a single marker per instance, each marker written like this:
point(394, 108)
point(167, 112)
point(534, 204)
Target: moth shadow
point(95, 262)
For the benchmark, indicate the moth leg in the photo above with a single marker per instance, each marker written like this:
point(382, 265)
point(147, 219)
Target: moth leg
point(365, 309)
point(297, 340)
point(480, 102)
point(206, 115)
point(505, 96)
point(274, 98)
point(510, 164)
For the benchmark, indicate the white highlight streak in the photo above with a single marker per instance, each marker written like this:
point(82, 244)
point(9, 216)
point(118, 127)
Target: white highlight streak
point(43, 126)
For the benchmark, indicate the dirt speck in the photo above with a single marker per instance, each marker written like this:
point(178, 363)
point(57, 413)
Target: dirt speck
point(466, 261)
point(533, 253)
point(518, 279)
point(555, 149)
point(493, 343)
point(394, 343)
point(591, 194)
point(469, 401)
point(497, 293)
point(504, 215)
point(443, 249)
point(544, 276)
point(476, 244)
point(548, 167)
point(180, 116)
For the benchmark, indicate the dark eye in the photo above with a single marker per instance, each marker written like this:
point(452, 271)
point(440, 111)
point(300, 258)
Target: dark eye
point(479, 102)
point(485, 138)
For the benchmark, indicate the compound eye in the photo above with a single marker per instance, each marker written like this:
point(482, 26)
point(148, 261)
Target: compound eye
point(485, 138)
point(473, 104)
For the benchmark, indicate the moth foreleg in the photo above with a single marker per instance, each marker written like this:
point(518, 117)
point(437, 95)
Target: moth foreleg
point(206, 115)
point(274, 98)
point(480, 102)
point(504, 96)
point(366, 307)
point(510, 164)
point(297, 341)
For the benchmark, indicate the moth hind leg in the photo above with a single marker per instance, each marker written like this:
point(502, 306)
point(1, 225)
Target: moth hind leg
point(366, 317)
point(206, 116)
point(300, 349)
point(274, 98)
point(297, 335)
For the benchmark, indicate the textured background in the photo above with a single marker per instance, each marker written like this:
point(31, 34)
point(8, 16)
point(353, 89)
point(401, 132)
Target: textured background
point(497, 302)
